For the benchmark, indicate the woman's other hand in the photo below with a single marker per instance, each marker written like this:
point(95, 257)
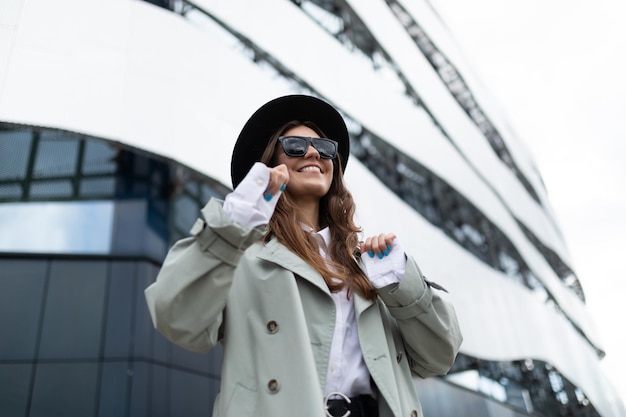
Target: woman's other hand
point(378, 245)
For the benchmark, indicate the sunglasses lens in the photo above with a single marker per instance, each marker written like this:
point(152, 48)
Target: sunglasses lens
point(295, 146)
point(326, 148)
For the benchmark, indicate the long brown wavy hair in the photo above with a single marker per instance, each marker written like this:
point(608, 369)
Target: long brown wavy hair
point(336, 212)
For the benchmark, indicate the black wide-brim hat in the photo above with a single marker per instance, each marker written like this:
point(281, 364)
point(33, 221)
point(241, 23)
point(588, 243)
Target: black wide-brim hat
point(258, 130)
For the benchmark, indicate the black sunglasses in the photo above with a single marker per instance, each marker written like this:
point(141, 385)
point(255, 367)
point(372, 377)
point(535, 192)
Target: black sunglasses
point(299, 145)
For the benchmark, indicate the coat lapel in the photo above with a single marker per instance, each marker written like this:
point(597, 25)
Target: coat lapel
point(277, 253)
point(374, 345)
point(361, 304)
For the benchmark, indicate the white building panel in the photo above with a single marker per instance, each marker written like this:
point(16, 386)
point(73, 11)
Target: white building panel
point(429, 20)
point(462, 130)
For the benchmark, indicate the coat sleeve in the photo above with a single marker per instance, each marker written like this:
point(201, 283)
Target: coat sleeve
point(188, 298)
point(427, 323)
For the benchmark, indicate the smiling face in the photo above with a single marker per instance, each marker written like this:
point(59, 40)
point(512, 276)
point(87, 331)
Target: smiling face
point(310, 176)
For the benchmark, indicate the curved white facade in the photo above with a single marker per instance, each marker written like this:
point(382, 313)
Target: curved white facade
point(127, 71)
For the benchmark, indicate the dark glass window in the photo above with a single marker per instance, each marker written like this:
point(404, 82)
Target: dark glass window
point(528, 385)
point(57, 155)
point(64, 389)
point(185, 215)
point(74, 306)
point(14, 388)
point(95, 187)
point(160, 394)
point(14, 153)
point(143, 330)
point(22, 285)
point(115, 385)
point(120, 309)
point(189, 394)
point(140, 399)
point(51, 189)
point(11, 191)
point(99, 158)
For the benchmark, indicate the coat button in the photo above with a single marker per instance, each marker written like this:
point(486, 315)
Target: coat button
point(272, 327)
point(414, 413)
point(399, 357)
point(273, 386)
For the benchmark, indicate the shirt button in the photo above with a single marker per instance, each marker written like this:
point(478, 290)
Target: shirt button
point(260, 182)
point(272, 327)
point(333, 368)
point(273, 386)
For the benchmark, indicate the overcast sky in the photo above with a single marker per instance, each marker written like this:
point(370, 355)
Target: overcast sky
point(559, 69)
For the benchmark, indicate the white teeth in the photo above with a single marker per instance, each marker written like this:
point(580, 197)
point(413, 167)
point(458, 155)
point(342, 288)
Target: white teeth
point(310, 168)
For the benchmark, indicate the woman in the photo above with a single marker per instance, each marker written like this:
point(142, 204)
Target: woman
point(309, 327)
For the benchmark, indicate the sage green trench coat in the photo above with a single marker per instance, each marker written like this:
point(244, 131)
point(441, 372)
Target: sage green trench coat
point(275, 318)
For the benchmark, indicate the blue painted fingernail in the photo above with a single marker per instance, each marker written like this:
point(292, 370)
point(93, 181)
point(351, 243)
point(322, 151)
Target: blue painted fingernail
point(380, 256)
point(388, 246)
point(370, 253)
point(386, 252)
point(282, 187)
point(268, 197)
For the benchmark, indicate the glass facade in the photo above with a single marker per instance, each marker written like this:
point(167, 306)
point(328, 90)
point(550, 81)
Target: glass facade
point(533, 386)
point(78, 341)
point(85, 226)
point(67, 193)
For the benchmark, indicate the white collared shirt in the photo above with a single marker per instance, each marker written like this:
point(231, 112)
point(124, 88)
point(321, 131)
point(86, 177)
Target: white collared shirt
point(347, 372)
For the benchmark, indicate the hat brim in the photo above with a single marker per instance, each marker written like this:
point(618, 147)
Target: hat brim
point(260, 127)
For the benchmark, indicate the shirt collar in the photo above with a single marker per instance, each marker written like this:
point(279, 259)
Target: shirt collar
point(323, 236)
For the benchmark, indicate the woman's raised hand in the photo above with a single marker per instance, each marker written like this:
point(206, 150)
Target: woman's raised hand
point(279, 177)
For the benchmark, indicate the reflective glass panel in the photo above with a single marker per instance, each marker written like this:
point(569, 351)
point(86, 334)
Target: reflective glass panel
point(100, 158)
point(14, 384)
point(51, 189)
point(22, 284)
point(56, 227)
point(57, 155)
point(188, 393)
point(64, 390)
point(14, 151)
point(114, 389)
point(119, 321)
point(73, 321)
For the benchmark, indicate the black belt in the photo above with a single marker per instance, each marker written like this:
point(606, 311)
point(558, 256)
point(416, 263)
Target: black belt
point(359, 406)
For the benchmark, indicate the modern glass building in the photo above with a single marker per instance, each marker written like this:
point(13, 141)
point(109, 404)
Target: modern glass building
point(117, 120)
